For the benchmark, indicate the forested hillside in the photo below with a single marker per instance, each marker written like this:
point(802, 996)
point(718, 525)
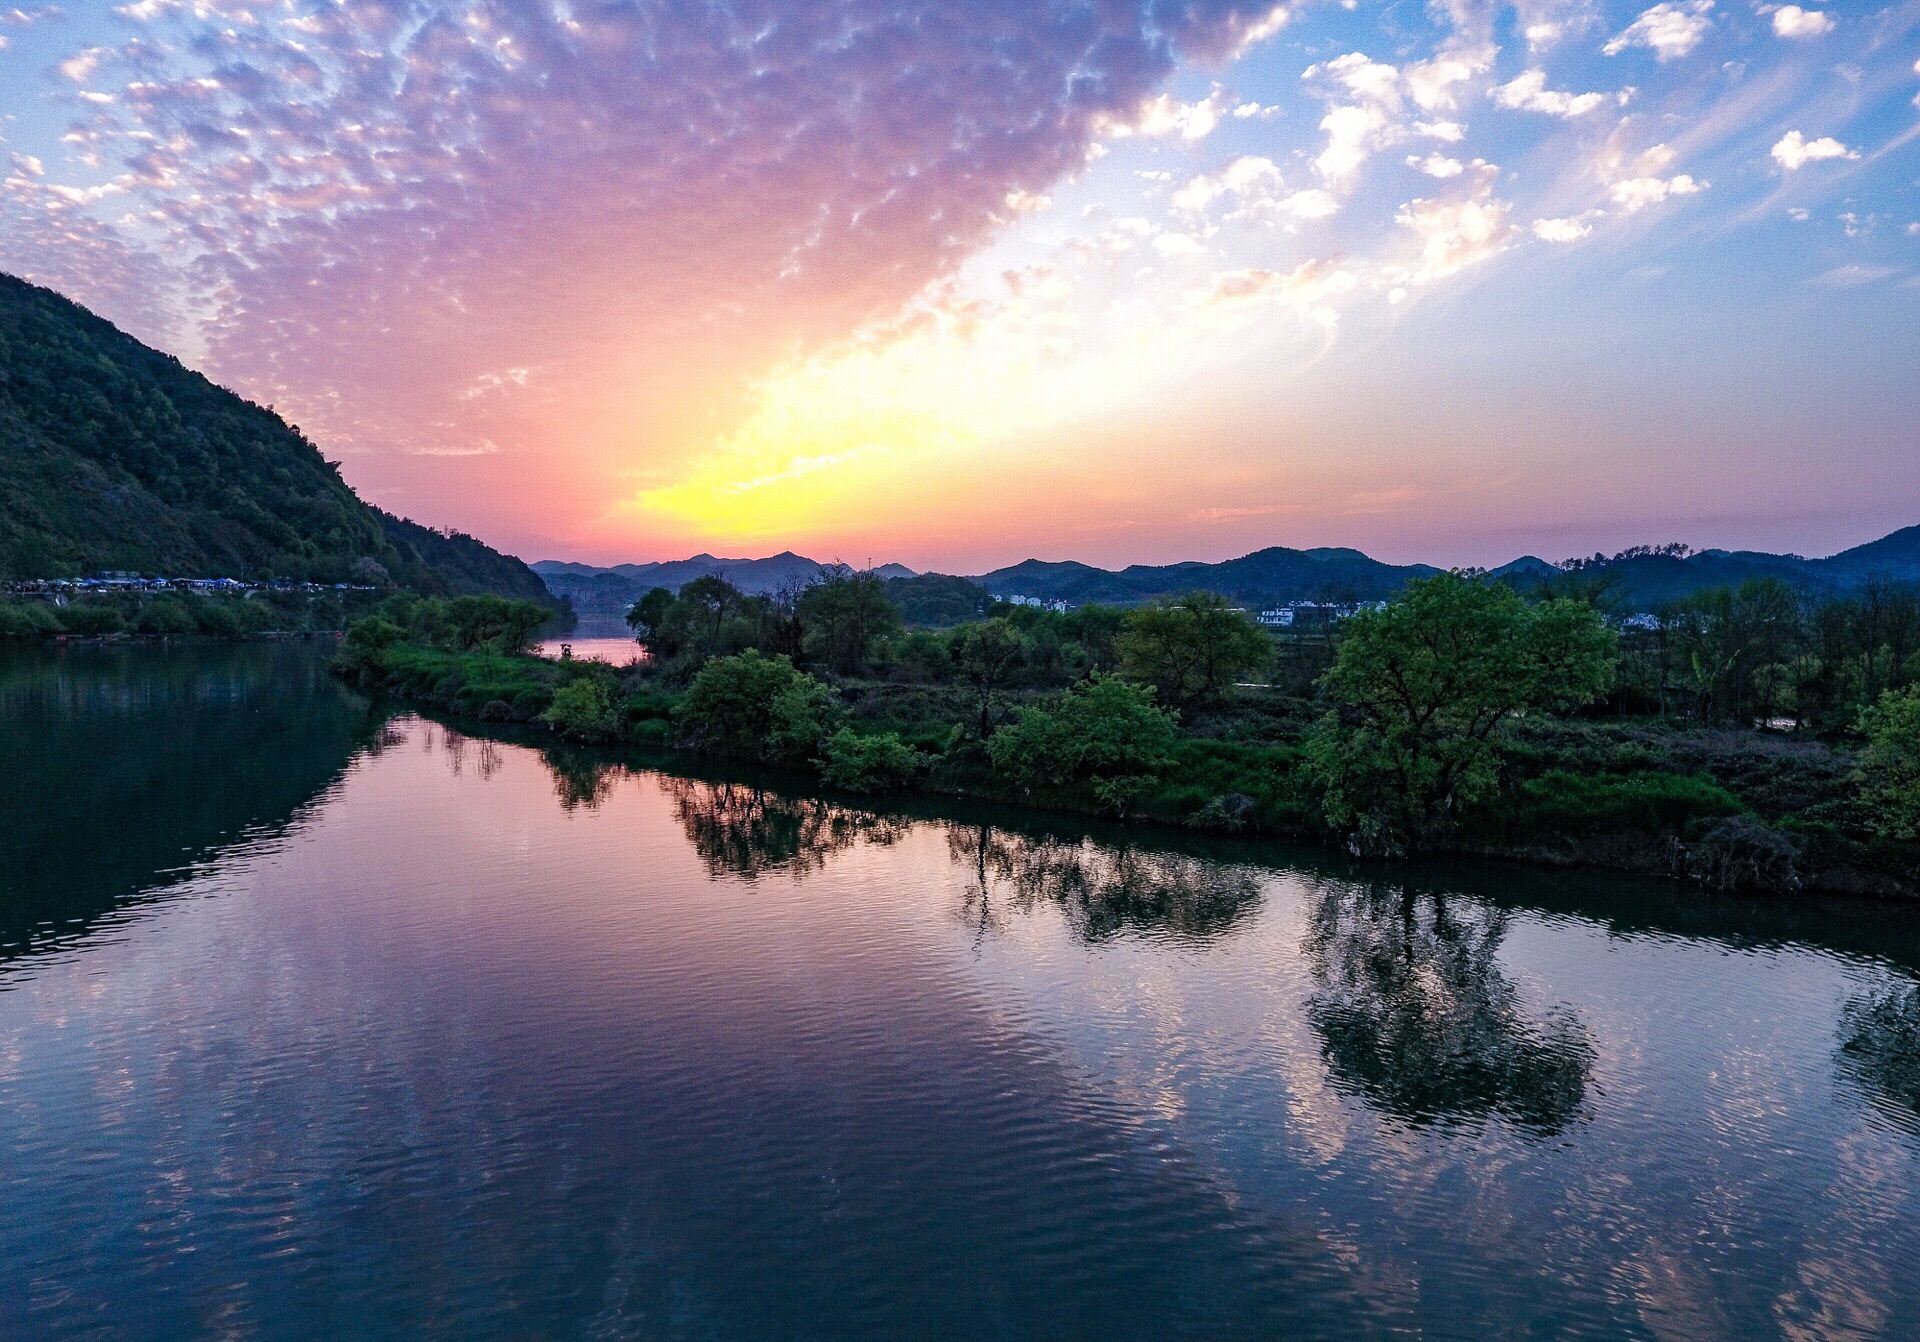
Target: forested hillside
point(117, 456)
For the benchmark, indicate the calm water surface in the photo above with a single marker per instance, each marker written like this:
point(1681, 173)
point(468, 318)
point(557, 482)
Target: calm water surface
point(317, 1021)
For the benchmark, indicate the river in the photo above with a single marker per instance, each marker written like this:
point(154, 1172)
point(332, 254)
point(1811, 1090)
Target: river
point(319, 1019)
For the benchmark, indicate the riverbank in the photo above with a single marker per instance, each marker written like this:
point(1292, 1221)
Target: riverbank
point(1725, 809)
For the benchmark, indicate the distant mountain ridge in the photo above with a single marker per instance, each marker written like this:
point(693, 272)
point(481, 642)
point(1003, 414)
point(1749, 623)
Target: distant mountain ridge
point(117, 456)
point(1636, 580)
point(601, 592)
point(1273, 574)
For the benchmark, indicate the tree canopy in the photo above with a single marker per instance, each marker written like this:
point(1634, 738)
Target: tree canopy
point(1421, 689)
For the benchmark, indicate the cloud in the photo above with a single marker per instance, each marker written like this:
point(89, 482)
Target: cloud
point(1565, 230)
point(1793, 21)
point(1436, 165)
point(1371, 80)
point(1636, 193)
point(1457, 234)
point(1306, 288)
point(1310, 204)
point(1793, 150)
point(1165, 115)
point(1669, 30)
point(1249, 178)
point(375, 204)
point(1431, 82)
point(1529, 93)
point(1852, 276)
point(1353, 133)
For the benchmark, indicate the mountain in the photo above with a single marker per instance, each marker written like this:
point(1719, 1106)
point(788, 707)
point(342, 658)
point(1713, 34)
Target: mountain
point(1263, 577)
point(1896, 556)
point(116, 456)
point(610, 591)
point(1634, 580)
point(1644, 581)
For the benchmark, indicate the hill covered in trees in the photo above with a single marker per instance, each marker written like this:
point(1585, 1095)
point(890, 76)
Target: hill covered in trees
point(117, 456)
point(1646, 578)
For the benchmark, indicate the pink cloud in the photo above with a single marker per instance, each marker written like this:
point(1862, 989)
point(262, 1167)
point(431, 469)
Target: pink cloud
point(641, 204)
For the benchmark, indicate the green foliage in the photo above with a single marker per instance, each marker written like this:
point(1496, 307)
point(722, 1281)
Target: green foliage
point(488, 624)
point(648, 617)
point(869, 763)
point(1192, 648)
point(1423, 686)
point(1560, 803)
point(27, 619)
point(1734, 648)
point(583, 710)
point(986, 657)
point(844, 616)
point(1102, 731)
point(374, 632)
point(754, 707)
point(1892, 757)
point(936, 601)
point(1740, 655)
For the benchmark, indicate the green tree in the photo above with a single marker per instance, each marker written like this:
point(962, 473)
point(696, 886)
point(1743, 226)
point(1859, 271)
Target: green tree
point(701, 613)
point(582, 710)
point(986, 657)
point(1104, 731)
point(1191, 648)
point(1892, 758)
point(648, 617)
point(489, 623)
point(1734, 646)
point(845, 615)
point(755, 707)
point(1421, 690)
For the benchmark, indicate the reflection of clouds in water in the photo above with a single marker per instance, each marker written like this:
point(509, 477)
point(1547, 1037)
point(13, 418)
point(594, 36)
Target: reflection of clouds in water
point(1103, 891)
point(745, 831)
point(1417, 1018)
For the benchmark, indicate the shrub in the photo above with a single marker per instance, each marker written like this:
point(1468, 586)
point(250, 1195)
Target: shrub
point(1892, 759)
point(869, 763)
point(165, 616)
point(582, 710)
point(1742, 854)
point(374, 632)
point(757, 708)
point(91, 620)
point(1102, 731)
point(27, 619)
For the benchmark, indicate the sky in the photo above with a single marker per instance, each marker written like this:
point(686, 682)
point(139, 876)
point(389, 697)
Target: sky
point(955, 284)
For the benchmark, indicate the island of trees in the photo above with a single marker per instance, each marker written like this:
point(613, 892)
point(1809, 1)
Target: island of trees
point(1745, 739)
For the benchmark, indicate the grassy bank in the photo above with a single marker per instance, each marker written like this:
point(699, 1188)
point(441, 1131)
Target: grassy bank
point(1730, 809)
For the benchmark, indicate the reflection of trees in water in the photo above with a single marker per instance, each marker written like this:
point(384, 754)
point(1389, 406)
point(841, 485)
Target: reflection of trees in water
point(581, 777)
point(1416, 1017)
point(475, 752)
point(1103, 891)
point(742, 830)
point(124, 770)
point(1880, 1049)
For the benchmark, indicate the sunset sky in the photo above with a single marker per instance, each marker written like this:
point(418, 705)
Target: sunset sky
point(952, 284)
